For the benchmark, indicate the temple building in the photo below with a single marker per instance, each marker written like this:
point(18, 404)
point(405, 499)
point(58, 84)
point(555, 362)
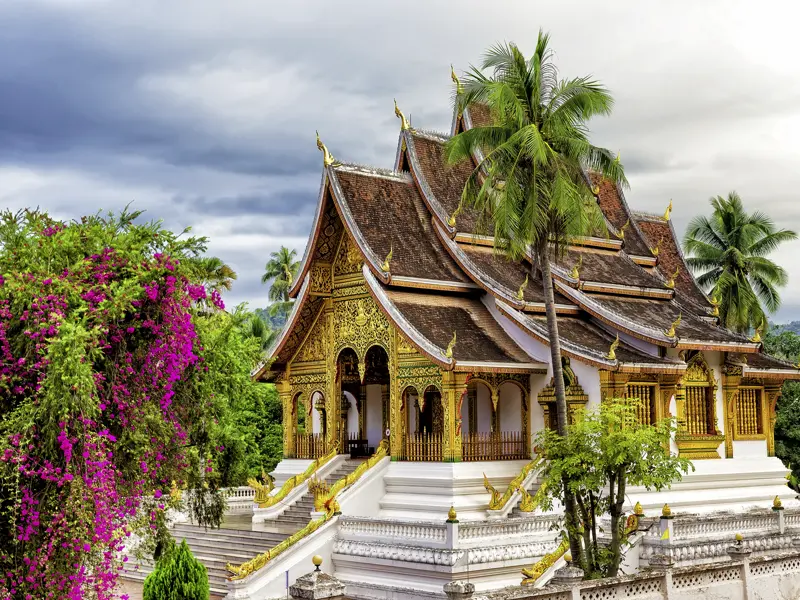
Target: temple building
point(407, 324)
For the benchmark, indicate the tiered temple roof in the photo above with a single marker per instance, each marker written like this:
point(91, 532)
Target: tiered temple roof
point(432, 273)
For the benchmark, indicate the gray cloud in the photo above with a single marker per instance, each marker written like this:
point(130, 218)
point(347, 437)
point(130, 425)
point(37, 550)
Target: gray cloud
point(203, 113)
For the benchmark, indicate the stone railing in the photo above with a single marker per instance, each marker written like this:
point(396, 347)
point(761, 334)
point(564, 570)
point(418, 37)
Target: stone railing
point(423, 533)
point(716, 527)
point(773, 576)
point(483, 531)
point(240, 499)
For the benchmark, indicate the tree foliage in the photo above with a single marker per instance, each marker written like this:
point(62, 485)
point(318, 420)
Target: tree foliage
point(531, 189)
point(120, 379)
point(729, 250)
point(281, 269)
point(178, 576)
point(605, 452)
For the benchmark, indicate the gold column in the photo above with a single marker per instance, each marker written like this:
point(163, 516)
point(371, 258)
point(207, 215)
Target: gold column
point(613, 384)
point(289, 418)
point(453, 387)
point(385, 408)
point(362, 412)
point(731, 377)
point(680, 406)
point(772, 391)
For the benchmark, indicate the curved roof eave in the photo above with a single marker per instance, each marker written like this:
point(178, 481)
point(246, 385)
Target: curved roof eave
point(305, 263)
point(412, 335)
point(281, 340)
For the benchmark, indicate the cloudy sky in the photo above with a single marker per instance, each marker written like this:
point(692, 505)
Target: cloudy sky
point(203, 112)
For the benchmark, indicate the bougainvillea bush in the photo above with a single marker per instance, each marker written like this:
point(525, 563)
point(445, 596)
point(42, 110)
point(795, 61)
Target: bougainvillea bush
point(107, 403)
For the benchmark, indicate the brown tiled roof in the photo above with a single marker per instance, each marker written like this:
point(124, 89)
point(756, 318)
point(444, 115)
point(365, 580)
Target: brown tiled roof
point(446, 181)
point(479, 337)
point(580, 333)
point(659, 232)
point(616, 268)
point(480, 115)
point(616, 211)
point(660, 314)
point(511, 274)
point(765, 361)
point(390, 214)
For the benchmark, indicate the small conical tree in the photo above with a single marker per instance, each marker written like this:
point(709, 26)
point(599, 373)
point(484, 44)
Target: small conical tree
point(178, 576)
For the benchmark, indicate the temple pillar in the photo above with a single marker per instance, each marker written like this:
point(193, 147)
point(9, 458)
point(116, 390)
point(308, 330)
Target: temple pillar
point(289, 417)
point(731, 377)
point(362, 412)
point(680, 406)
point(613, 384)
point(772, 391)
point(454, 387)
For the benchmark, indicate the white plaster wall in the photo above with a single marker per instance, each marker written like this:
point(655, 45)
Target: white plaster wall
point(352, 414)
point(316, 426)
point(589, 379)
point(374, 415)
point(483, 403)
point(749, 449)
point(510, 407)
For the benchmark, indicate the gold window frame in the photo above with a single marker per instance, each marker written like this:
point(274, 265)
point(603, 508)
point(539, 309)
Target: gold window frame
point(763, 408)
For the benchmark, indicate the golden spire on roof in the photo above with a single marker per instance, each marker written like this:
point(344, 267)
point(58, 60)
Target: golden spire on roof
point(668, 211)
point(399, 114)
point(452, 220)
point(596, 190)
point(385, 264)
point(671, 283)
point(756, 339)
point(621, 234)
point(449, 352)
point(521, 290)
point(673, 329)
point(576, 268)
point(327, 157)
point(612, 350)
point(455, 79)
point(616, 160)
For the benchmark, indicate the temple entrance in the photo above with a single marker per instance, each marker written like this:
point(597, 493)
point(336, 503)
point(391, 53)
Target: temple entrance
point(493, 421)
point(310, 425)
point(425, 424)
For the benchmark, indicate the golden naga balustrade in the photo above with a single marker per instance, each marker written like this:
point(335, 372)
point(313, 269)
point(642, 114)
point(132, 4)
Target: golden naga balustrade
point(265, 501)
point(324, 501)
point(498, 500)
point(537, 570)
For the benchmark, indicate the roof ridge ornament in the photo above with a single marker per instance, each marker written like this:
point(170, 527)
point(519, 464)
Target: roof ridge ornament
point(404, 126)
point(452, 220)
point(756, 339)
point(617, 160)
point(385, 266)
point(621, 233)
point(715, 303)
point(521, 290)
point(327, 157)
point(449, 351)
point(454, 77)
point(671, 283)
point(612, 350)
point(673, 329)
point(596, 190)
point(576, 268)
point(668, 212)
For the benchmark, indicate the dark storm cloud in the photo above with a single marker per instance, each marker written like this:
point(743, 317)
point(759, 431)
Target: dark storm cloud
point(203, 113)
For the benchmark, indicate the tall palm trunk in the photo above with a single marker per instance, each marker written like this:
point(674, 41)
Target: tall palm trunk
point(561, 399)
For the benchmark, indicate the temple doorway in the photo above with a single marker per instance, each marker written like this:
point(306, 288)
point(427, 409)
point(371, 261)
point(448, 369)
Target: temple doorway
point(425, 424)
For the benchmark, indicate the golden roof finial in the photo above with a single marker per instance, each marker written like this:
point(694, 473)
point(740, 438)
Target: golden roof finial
point(638, 510)
point(668, 211)
point(666, 511)
point(756, 339)
point(673, 329)
point(621, 233)
point(449, 352)
point(655, 250)
point(715, 310)
point(452, 220)
point(385, 265)
point(399, 114)
point(616, 160)
point(327, 157)
point(612, 350)
point(455, 79)
point(576, 268)
point(521, 290)
point(671, 283)
point(596, 190)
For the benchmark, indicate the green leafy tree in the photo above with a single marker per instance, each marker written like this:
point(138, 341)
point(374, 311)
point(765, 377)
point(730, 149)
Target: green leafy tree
point(281, 269)
point(605, 452)
point(785, 344)
point(530, 189)
point(729, 251)
point(178, 576)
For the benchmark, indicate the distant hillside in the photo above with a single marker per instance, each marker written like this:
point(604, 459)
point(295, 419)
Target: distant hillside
point(794, 326)
point(275, 322)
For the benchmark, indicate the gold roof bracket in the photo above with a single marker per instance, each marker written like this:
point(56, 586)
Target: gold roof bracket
point(576, 268)
point(756, 339)
point(673, 328)
point(521, 290)
point(668, 212)
point(671, 283)
point(327, 157)
point(454, 77)
point(404, 126)
point(621, 233)
point(612, 350)
point(385, 266)
point(449, 351)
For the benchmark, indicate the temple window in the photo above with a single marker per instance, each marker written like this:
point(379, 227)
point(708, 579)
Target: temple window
point(644, 396)
point(749, 422)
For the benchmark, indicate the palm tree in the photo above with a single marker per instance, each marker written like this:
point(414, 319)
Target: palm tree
point(730, 251)
point(529, 188)
point(281, 269)
point(212, 273)
point(256, 327)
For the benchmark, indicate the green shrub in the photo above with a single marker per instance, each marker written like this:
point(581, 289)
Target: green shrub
point(178, 576)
